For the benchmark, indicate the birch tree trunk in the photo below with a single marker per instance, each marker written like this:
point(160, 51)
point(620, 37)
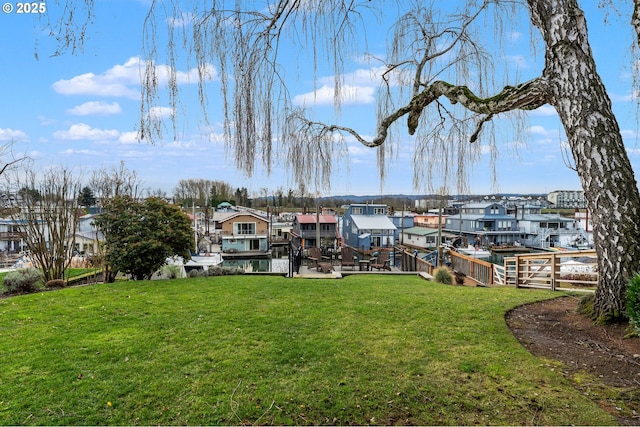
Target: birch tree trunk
point(579, 96)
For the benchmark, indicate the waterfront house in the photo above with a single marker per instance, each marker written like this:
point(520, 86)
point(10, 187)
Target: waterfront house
point(431, 220)
point(280, 233)
point(548, 230)
point(402, 221)
point(484, 224)
point(11, 236)
point(424, 237)
point(367, 226)
point(244, 232)
point(306, 228)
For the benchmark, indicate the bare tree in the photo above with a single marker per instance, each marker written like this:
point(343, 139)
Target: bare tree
point(115, 181)
point(47, 211)
point(434, 78)
point(202, 192)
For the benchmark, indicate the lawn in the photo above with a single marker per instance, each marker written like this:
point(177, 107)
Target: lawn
point(268, 350)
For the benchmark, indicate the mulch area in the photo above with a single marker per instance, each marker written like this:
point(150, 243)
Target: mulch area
point(606, 356)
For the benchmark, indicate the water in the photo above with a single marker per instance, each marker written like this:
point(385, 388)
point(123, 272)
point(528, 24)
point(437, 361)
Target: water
point(278, 263)
point(273, 265)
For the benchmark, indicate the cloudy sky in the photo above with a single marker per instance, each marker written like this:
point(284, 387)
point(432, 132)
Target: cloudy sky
point(81, 109)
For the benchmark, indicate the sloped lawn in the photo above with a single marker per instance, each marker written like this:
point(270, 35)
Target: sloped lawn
point(268, 350)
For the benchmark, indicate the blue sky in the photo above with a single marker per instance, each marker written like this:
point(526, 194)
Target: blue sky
point(81, 110)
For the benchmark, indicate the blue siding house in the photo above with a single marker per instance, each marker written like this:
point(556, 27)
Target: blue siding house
point(367, 226)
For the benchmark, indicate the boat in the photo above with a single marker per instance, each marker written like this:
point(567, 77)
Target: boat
point(505, 248)
point(473, 251)
point(233, 254)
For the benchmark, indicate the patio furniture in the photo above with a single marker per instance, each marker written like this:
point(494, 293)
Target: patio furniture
point(325, 267)
point(383, 261)
point(348, 257)
point(316, 258)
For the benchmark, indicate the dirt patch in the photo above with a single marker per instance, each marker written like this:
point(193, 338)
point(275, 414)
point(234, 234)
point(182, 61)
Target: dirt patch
point(600, 361)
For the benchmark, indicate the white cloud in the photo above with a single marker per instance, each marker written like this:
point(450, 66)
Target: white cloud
point(518, 61)
point(360, 77)
point(82, 131)
point(72, 152)
point(159, 113)
point(95, 108)
point(350, 95)
point(544, 111)
point(538, 130)
point(514, 36)
point(12, 135)
point(129, 137)
point(124, 80)
point(46, 121)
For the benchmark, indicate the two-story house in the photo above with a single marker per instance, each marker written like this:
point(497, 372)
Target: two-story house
point(11, 236)
point(87, 237)
point(484, 224)
point(306, 229)
point(367, 226)
point(549, 230)
point(245, 233)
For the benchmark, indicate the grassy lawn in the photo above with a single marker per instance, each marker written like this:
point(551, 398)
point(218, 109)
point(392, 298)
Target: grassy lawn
point(268, 350)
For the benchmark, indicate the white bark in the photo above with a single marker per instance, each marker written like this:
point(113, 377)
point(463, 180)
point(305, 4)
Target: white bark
point(579, 96)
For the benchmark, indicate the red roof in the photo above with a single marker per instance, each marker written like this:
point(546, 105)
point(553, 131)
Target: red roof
point(311, 219)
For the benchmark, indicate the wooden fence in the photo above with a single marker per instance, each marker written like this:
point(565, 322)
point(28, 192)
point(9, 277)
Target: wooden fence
point(476, 269)
point(561, 271)
point(410, 262)
point(557, 271)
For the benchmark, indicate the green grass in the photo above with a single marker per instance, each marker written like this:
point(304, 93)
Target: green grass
point(269, 350)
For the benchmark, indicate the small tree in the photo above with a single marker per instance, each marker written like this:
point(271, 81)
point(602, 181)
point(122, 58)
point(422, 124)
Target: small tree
point(86, 197)
point(47, 212)
point(140, 236)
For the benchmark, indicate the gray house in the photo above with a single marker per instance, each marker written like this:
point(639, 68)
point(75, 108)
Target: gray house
point(367, 226)
point(484, 224)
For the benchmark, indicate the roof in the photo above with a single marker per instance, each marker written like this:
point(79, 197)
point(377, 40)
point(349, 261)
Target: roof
point(479, 205)
point(420, 231)
point(481, 217)
point(243, 213)
point(311, 219)
point(545, 218)
point(370, 222)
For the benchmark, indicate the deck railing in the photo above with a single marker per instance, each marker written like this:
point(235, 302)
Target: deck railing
point(554, 270)
point(557, 271)
point(476, 269)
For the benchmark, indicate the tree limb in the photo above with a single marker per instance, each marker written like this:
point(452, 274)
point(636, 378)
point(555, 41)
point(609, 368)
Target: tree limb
point(525, 96)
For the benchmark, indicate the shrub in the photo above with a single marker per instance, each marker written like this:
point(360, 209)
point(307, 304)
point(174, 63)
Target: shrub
point(195, 273)
point(170, 271)
point(216, 270)
point(23, 281)
point(55, 283)
point(443, 275)
point(633, 303)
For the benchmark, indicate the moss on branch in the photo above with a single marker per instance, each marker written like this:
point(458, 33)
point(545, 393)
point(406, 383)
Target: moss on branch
point(526, 96)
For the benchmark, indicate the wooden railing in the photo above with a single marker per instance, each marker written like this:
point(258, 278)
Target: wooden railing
point(554, 270)
point(410, 262)
point(476, 269)
point(557, 271)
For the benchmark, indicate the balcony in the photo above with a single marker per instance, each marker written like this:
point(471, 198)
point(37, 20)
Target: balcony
point(11, 235)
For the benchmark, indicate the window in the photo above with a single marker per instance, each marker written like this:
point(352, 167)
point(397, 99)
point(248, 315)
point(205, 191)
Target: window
point(244, 228)
point(378, 211)
point(356, 211)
